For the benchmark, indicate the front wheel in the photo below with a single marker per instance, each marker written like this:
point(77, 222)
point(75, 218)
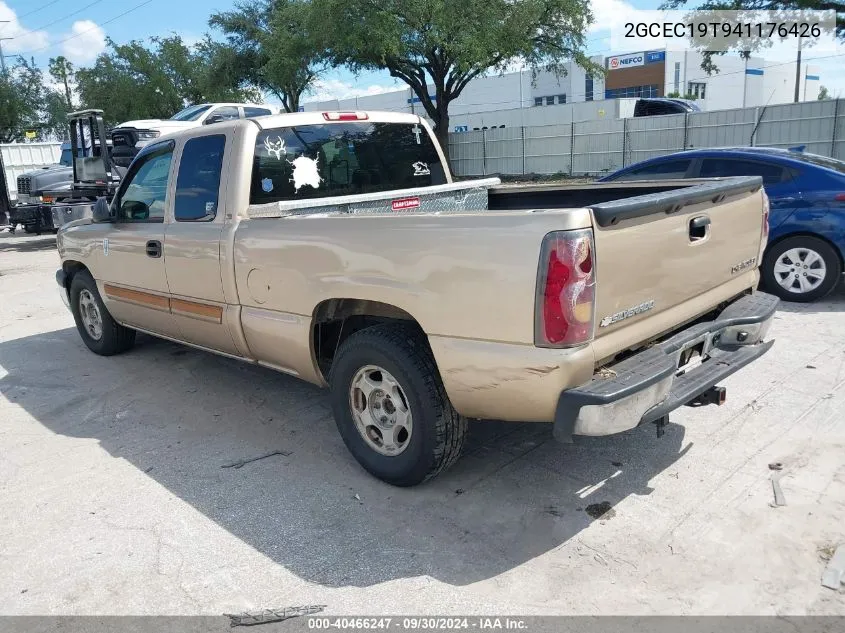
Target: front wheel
point(801, 269)
point(391, 408)
point(99, 331)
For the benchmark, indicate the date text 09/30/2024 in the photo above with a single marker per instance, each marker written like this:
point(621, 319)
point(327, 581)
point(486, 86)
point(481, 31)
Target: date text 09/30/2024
point(484, 623)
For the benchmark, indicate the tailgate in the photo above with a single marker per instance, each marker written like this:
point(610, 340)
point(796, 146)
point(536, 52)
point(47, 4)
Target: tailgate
point(658, 251)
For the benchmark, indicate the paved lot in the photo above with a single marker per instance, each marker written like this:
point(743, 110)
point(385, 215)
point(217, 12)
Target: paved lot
point(115, 499)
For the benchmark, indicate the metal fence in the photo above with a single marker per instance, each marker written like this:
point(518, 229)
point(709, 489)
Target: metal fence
point(598, 147)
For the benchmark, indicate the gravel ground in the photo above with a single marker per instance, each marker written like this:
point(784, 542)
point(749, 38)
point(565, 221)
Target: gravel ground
point(117, 498)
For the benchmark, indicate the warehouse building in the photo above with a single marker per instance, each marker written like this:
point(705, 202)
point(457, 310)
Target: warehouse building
point(518, 98)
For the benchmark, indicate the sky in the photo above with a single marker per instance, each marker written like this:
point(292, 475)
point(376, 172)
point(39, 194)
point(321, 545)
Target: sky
point(78, 29)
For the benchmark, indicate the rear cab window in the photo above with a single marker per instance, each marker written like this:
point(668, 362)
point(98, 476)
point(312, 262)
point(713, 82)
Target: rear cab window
point(338, 159)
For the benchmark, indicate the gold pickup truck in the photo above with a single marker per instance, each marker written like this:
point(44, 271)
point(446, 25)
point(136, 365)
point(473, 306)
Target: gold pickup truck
point(336, 247)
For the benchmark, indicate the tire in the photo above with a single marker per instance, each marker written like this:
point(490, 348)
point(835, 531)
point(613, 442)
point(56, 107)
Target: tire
point(434, 431)
point(113, 337)
point(817, 266)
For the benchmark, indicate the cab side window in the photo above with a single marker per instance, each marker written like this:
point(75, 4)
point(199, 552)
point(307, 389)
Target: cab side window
point(668, 170)
point(223, 113)
point(251, 112)
point(144, 193)
point(198, 182)
point(718, 167)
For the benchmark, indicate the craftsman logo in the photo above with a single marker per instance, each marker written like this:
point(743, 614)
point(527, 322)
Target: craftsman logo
point(743, 265)
point(403, 204)
point(627, 314)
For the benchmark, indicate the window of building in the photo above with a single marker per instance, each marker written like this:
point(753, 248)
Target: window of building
point(550, 100)
point(198, 182)
point(696, 89)
point(561, 98)
point(678, 77)
point(588, 87)
point(538, 101)
point(648, 91)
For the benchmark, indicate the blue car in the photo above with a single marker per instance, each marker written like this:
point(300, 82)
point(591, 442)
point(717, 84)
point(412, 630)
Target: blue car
point(804, 257)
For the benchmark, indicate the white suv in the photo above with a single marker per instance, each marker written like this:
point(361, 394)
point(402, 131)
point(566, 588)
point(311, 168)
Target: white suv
point(128, 138)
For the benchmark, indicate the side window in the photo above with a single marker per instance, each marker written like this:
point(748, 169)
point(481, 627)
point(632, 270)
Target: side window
point(144, 191)
point(660, 171)
point(198, 181)
point(251, 112)
point(718, 167)
point(223, 113)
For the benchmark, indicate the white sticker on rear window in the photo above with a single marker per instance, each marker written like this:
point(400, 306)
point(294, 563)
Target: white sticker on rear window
point(421, 169)
point(275, 147)
point(417, 131)
point(305, 173)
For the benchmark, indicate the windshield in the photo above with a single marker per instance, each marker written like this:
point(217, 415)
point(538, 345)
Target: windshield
point(820, 161)
point(190, 114)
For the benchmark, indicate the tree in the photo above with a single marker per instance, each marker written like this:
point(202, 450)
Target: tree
point(21, 94)
point(273, 47)
point(823, 93)
point(747, 45)
point(440, 46)
point(61, 70)
point(134, 81)
point(677, 95)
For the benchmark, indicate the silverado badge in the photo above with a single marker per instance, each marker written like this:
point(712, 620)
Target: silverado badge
point(743, 265)
point(625, 314)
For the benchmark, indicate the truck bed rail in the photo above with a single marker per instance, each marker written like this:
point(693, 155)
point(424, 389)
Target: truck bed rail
point(456, 197)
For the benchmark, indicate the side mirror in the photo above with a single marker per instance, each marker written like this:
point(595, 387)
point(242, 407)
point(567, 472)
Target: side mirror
point(214, 118)
point(135, 210)
point(101, 211)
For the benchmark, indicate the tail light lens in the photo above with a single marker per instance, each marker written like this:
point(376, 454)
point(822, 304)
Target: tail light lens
point(839, 197)
point(764, 231)
point(566, 293)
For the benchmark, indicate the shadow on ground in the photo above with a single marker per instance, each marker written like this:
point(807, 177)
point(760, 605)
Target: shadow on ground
point(181, 416)
point(27, 244)
point(834, 302)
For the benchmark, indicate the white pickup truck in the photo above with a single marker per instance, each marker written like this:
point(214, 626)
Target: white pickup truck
point(336, 247)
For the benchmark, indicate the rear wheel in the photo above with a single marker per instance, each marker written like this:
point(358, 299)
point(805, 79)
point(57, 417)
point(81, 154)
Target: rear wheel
point(391, 408)
point(801, 269)
point(99, 331)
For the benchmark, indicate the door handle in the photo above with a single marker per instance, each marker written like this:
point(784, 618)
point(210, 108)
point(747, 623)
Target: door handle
point(153, 248)
point(698, 228)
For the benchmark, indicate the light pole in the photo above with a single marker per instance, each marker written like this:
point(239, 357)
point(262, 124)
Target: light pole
point(2, 58)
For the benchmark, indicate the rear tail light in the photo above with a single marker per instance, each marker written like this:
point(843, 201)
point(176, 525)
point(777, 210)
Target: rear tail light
point(839, 197)
point(345, 116)
point(764, 231)
point(564, 312)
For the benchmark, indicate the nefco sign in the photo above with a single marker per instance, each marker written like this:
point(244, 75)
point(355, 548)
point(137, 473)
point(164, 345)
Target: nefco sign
point(626, 61)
